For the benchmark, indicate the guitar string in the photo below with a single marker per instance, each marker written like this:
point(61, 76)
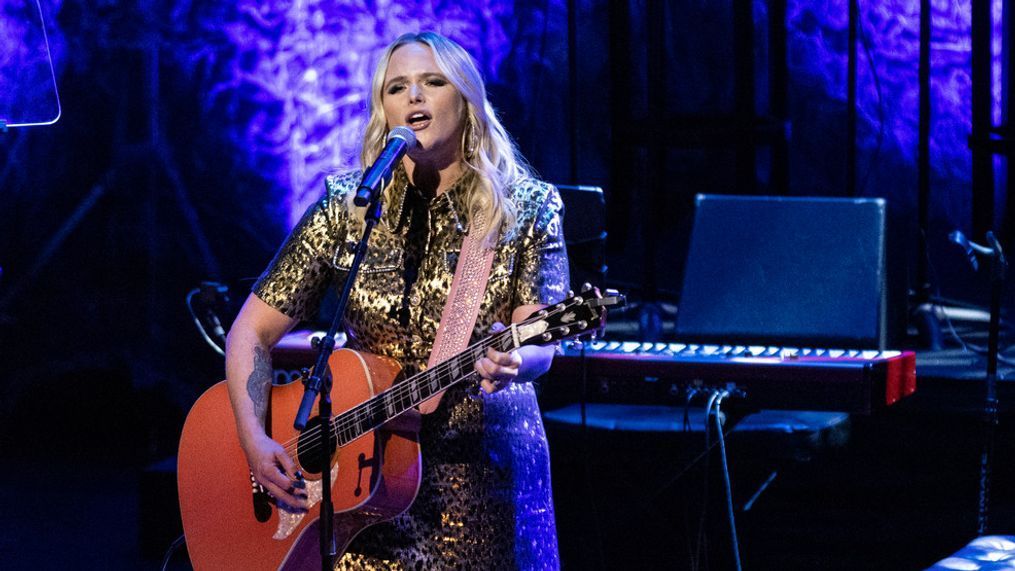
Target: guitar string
point(350, 423)
point(402, 392)
point(369, 409)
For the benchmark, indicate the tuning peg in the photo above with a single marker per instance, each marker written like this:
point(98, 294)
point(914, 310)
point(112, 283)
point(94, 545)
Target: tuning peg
point(570, 293)
point(619, 299)
point(586, 287)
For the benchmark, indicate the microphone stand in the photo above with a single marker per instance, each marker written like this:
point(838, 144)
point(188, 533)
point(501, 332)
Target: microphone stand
point(998, 268)
point(319, 383)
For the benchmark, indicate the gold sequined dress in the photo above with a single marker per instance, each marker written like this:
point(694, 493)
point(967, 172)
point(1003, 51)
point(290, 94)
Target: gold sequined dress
point(485, 498)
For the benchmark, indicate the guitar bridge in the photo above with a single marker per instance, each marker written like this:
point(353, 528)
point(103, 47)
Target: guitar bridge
point(261, 500)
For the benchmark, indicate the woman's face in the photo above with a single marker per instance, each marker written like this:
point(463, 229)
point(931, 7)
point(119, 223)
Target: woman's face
point(417, 94)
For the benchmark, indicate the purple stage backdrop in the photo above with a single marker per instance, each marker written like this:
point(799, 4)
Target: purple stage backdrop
point(195, 134)
point(289, 81)
point(285, 84)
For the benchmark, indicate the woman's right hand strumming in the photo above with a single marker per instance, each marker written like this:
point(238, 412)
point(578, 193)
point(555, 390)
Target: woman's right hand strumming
point(257, 328)
point(275, 470)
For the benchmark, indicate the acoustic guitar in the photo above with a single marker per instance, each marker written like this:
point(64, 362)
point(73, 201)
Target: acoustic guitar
point(230, 522)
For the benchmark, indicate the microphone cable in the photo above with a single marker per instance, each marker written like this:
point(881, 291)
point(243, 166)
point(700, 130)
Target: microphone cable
point(726, 480)
point(179, 541)
point(701, 546)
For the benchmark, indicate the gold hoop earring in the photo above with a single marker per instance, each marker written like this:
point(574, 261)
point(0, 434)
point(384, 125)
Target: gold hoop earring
point(470, 141)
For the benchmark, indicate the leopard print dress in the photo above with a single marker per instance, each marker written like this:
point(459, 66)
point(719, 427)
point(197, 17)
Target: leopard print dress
point(485, 497)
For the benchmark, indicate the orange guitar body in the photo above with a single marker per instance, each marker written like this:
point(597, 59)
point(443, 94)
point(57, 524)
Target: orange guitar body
point(228, 526)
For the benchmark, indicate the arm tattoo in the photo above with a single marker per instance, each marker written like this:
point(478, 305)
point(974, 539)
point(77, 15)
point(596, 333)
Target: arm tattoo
point(259, 382)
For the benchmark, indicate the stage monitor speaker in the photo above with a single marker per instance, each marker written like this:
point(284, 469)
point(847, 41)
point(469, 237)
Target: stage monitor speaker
point(585, 233)
point(805, 272)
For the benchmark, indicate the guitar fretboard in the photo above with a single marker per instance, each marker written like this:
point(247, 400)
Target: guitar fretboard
point(413, 391)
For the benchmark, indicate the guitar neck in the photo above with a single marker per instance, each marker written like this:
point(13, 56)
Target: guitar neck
point(418, 388)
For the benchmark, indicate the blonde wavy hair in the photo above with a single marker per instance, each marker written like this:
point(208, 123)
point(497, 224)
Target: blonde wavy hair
point(489, 154)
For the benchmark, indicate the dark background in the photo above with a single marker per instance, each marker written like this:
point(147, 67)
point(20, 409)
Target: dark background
point(149, 184)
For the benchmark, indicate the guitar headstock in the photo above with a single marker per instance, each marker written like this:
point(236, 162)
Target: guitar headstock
point(572, 317)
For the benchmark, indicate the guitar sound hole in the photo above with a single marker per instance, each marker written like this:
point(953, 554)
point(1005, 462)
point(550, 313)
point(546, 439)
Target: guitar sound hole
point(309, 448)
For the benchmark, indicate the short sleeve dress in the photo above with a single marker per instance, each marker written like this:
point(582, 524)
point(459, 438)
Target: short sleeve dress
point(485, 497)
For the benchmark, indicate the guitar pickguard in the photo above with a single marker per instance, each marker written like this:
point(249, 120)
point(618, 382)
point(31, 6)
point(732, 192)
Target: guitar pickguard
point(289, 520)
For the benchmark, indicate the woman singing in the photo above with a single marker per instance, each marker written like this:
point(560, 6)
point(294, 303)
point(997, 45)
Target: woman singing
point(484, 500)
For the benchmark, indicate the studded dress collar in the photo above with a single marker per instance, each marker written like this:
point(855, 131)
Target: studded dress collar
point(455, 199)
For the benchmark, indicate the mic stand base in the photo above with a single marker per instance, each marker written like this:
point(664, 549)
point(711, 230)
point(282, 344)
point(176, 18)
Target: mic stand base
point(998, 269)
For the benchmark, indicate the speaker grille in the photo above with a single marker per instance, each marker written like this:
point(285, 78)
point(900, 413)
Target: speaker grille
point(785, 271)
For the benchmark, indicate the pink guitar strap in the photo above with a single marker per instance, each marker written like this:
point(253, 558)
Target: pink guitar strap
point(462, 308)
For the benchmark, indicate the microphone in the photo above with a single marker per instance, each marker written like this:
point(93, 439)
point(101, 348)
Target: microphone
point(960, 239)
point(972, 248)
point(213, 295)
point(400, 140)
